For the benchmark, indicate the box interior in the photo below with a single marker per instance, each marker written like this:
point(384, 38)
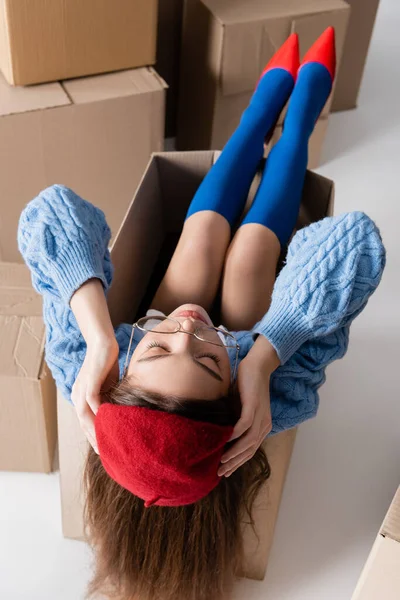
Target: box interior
point(154, 221)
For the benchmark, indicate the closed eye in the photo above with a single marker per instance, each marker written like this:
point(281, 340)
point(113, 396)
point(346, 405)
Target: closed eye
point(157, 345)
point(195, 359)
point(213, 357)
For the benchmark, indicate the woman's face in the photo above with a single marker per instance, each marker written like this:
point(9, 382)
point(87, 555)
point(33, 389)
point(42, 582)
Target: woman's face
point(179, 364)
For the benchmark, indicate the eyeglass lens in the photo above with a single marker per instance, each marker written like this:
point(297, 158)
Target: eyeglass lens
point(166, 325)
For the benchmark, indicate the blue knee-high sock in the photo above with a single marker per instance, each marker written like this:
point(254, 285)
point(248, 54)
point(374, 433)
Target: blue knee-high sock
point(225, 187)
point(277, 201)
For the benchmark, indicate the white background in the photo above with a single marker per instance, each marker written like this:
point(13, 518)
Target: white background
point(346, 464)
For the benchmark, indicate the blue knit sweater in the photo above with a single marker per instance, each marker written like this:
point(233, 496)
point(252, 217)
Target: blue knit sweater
point(332, 268)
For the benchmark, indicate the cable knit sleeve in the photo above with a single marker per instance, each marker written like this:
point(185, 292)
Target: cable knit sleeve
point(64, 241)
point(332, 268)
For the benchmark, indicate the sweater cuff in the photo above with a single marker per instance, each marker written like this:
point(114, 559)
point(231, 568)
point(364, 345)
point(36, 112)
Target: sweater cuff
point(76, 264)
point(285, 328)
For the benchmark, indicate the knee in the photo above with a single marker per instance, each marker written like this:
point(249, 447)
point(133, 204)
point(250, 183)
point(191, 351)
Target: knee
point(206, 234)
point(246, 263)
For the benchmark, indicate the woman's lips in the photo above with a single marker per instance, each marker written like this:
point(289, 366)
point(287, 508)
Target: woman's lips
point(194, 314)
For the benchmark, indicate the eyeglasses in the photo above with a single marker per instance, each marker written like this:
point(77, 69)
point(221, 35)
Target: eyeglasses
point(168, 325)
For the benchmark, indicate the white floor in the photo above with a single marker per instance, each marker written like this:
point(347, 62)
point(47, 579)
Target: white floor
point(346, 465)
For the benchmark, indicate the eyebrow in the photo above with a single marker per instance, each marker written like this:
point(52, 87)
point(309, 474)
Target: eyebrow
point(196, 362)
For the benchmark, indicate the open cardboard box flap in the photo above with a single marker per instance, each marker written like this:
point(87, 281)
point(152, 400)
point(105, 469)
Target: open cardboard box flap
point(140, 254)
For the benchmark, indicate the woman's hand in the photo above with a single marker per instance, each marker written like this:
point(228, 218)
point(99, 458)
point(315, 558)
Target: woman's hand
point(253, 382)
point(98, 372)
point(100, 367)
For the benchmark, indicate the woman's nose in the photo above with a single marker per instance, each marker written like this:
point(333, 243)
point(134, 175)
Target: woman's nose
point(189, 325)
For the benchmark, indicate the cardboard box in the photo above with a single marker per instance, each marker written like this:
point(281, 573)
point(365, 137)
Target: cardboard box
point(93, 134)
point(141, 253)
point(358, 37)
point(170, 13)
point(28, 427)
point(45, 41)
point(380, 577)
point(225, 47)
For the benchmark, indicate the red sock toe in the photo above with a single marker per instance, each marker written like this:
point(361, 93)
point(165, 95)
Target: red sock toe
point(286, 57)
point(323, 52)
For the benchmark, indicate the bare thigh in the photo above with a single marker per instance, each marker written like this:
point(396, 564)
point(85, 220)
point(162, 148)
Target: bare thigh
point(249, 276)
point(195, 270)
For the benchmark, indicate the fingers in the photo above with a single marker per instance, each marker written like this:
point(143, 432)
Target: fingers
point(228, 468)
point(93, 400)
point(86, 419)
point(245, 449)
point(248, 441)
point(246, 420)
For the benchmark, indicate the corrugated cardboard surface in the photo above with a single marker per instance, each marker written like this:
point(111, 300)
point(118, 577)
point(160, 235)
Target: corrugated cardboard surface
point(93, 134)
point(225, 46)
point(170, 13)
point(279, 450)
point(140, 256)
point(47, 40)
point(17, 296)
point(27, 392)
point(380, 577)
point(358, 37)
point(72, 449)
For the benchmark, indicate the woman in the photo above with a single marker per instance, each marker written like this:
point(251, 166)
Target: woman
point(160, 431)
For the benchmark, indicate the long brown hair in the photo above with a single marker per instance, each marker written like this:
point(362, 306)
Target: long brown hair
point(191, 552)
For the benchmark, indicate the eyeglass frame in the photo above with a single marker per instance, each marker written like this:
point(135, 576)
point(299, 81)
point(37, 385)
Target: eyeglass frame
point(182, 330)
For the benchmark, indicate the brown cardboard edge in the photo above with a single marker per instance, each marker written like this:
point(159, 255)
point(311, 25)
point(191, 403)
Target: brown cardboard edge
point(391, 524)
point(68, 102)
point(279, 449)
point(318, 8)
point(7, 64)
point(160, 79)
point(71, 522)
point(389, 533)
point(49, 403)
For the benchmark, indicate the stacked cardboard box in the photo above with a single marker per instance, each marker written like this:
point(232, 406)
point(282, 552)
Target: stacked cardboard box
point(94, 134)
point(358, 37)
point(355, 50)
point(28, 429)
point(225, 46)
point(169, 33)
point(146, 239)
point(47, 41)
point(380, 577)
